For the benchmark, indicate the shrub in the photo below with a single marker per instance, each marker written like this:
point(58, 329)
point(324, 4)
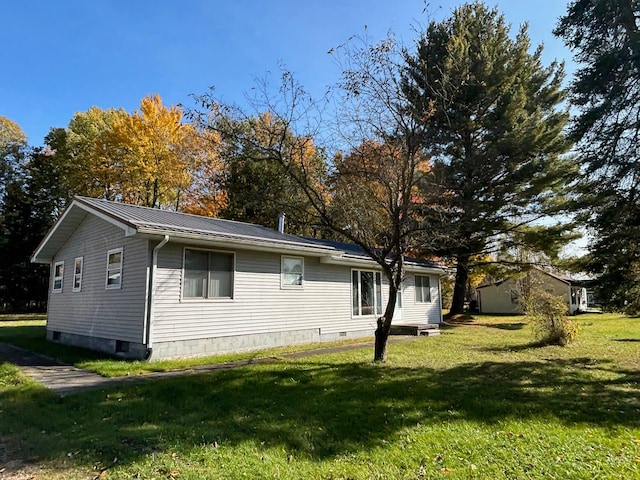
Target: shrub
point(549, 314)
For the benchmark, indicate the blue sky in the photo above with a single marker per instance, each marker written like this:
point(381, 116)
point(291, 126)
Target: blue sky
point(61, 57)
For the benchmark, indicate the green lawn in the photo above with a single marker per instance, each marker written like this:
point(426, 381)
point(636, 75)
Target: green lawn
point(479, 401)
point(28, 332)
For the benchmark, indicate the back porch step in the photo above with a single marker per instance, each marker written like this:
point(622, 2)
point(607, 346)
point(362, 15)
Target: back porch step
point(430, 329)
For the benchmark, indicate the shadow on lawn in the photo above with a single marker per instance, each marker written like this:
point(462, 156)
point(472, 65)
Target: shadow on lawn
point(311, 408)
point(33, 337)
point(503, 326)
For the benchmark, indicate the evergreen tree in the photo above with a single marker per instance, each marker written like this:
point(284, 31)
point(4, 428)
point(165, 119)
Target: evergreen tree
point(494, 127)
point(605, 36)
point(35, 196)
point(23, 285)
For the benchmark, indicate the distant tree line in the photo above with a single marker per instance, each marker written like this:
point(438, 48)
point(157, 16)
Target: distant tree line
point(458, 148)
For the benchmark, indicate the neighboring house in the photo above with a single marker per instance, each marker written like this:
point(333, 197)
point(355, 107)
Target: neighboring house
point(504, 296)
point(148, 283)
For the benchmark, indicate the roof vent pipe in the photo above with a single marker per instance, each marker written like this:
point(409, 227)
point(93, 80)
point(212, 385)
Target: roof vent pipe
point(281, 219)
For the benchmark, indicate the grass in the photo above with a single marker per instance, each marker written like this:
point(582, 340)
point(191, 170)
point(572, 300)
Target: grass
point(26, 332)
point(479, 401)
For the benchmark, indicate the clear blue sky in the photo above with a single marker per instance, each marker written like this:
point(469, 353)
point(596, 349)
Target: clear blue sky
point(61, 57)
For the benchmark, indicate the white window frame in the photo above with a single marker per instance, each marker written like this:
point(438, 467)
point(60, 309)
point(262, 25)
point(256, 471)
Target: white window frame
point(209, 299)
point(415, 287)
point(283, 273)
point(77, 276)
point(117, 286)
point(57, 278)
point(377, 295)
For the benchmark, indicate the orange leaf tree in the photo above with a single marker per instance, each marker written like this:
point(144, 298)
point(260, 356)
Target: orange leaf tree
point(368, 195)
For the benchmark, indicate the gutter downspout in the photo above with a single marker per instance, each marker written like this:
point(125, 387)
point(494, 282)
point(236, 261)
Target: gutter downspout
point(440, 299)
point(152, 292)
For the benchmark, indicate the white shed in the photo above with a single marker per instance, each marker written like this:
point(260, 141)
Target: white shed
point(503, 297)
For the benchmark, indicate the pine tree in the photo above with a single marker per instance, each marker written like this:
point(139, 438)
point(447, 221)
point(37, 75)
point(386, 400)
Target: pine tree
point(494, 128)
point(605, 36)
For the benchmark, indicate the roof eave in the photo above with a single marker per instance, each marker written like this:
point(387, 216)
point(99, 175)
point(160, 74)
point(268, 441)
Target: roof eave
point(369, 262)
point(39, 257)
point(237, 242)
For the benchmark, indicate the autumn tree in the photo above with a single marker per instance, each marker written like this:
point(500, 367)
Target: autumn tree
point(257, 188)
point(493, 122)
point(150, 157)
point(370, 196)
point(205, 195)
point(95, 163)
point(13, 144)
point(156, 163)
point(605, 36)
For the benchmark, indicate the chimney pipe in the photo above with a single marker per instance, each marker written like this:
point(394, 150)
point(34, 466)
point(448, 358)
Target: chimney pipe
point(281, 219)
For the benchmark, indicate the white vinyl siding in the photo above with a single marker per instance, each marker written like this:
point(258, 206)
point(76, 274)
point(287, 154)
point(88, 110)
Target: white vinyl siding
point(58, 277)
point(420, 312)
point(260, 304)
point(114, 268)
point(291, 272)
point(207, 274)
point(503, 297)
point(96, 311)
point(77, 274)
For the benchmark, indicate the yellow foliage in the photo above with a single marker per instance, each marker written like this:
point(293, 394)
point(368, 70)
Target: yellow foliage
point(10, 134)
point(162, 156)
point(476, 276)
point(96, 167)
point(147, 158)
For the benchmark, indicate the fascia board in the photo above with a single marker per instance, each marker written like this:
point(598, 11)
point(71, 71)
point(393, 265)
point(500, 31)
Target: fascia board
point(370, 263)
point(242, 243)
point(35, 257)
point(128, 229)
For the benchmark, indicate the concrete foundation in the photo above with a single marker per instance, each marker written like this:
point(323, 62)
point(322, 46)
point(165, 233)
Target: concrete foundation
point(202, 346)
point(243, 343)
point(114, 347)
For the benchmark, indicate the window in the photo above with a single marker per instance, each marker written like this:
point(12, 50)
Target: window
point(77, 274)
point(291, 272)
point(58, 274)
point(207, 274)
point(114, 268)
point(423, 289)
point(366, 293)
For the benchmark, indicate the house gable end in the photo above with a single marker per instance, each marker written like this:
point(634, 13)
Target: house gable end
point(64, 227)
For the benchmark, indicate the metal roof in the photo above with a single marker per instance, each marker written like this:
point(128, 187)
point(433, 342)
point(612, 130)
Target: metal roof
point(152, 222)
point(357, 251)
point(137, 220)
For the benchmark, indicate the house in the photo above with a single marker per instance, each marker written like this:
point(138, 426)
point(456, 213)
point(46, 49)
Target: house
point(503, 297)
point(147, 283)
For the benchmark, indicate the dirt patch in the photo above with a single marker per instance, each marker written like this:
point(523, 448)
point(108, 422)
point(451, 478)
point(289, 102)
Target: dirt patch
point(19, 471)
point(459, 319)
point(15, 469)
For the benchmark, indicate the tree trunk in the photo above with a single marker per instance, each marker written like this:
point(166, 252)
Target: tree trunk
point(384, 326)
point(460, 286)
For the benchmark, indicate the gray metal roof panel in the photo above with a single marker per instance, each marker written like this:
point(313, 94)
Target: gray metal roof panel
point(357, 251)
point(163, 220)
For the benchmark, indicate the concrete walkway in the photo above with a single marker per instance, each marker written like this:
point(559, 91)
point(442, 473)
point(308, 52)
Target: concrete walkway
point(66, 379)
